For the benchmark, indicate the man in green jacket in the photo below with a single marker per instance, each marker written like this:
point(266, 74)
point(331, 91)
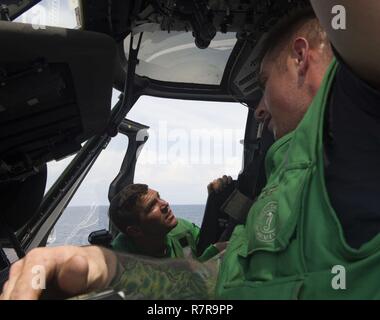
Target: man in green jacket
point(149, 227)
point(314, 231)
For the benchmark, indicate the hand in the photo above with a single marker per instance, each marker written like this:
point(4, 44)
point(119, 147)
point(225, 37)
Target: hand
point(69, 270)
point(218, 185)
point(221, 246)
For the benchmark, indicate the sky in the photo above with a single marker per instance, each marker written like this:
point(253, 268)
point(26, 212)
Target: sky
point(190, 142)
point(202, 143)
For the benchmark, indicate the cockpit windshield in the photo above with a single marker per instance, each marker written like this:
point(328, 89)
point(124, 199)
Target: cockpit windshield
point(53, 13)
point(174, 57)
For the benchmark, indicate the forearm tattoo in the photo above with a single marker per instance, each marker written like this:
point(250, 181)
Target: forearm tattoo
point(148, 278)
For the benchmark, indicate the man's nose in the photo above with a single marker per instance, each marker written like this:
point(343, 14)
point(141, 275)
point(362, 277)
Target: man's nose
point(164, 206)
point(261, 112)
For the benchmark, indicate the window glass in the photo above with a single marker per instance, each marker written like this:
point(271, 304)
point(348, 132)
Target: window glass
point(88, 210)
point(174, 57)
point(190, 144)
point(53, 13)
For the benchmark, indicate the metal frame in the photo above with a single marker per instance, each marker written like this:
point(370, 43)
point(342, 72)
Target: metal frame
point(16, 10)
point(56, 200)
point(189, 91)
point(137, 136)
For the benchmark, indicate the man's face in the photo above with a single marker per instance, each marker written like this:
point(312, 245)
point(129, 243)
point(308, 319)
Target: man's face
point(156, 217)
point(283, 104)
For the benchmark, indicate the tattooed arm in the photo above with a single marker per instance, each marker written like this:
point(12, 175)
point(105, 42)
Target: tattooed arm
point(149, 278)
point(71, 271)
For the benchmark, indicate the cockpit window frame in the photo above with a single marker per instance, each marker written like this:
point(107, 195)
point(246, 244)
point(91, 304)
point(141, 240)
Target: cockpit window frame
point(23, 6)
point(186, 91)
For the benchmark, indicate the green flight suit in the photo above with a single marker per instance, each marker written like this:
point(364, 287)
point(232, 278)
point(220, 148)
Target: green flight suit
point(183, 237)
point(292, 246)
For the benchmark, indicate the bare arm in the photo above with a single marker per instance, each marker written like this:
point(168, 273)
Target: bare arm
point(71, 271)
point(149, 278)
point(359, 44)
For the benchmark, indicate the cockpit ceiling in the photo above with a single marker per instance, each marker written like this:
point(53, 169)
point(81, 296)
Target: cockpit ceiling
point(174, 57)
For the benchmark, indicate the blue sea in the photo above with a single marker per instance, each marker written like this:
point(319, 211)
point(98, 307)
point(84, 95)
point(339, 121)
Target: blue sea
point(76, 223)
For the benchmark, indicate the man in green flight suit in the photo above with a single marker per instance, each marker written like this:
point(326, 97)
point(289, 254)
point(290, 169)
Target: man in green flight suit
point(319, 211)
point(313, 233)
point(149, 227)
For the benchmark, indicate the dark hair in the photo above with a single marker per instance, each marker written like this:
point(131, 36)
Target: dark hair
point(125, 207)
point(279, 36)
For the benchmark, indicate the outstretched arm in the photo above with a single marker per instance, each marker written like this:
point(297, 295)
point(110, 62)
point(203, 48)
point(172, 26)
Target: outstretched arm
point(149, 278)
point(359, 43)
point(71, 271)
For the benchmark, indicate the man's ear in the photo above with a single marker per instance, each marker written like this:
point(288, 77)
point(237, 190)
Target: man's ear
point(301, 55)
point(133, 231)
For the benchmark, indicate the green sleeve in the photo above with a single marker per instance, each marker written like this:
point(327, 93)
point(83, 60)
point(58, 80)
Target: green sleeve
point(120, 244)
point(194, 230)
point(209, 253)
point(116, 243)
point(191, 229)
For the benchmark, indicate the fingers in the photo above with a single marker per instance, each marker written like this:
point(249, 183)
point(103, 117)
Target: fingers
point(209, 188)
point(14, 274)
point(221, 246)
point(213, 186)
point(218, 185)
point(225, 182)
point(70, 270)
point(26, 279)
point(41, 267)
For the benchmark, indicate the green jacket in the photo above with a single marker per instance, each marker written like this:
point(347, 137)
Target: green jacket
point(292, 246)
point(181, 243)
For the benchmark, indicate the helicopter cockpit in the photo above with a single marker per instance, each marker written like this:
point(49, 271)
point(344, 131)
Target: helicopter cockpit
point(56, 89)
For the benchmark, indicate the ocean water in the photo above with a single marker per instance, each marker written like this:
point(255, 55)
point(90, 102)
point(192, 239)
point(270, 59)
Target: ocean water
point(76, 223)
